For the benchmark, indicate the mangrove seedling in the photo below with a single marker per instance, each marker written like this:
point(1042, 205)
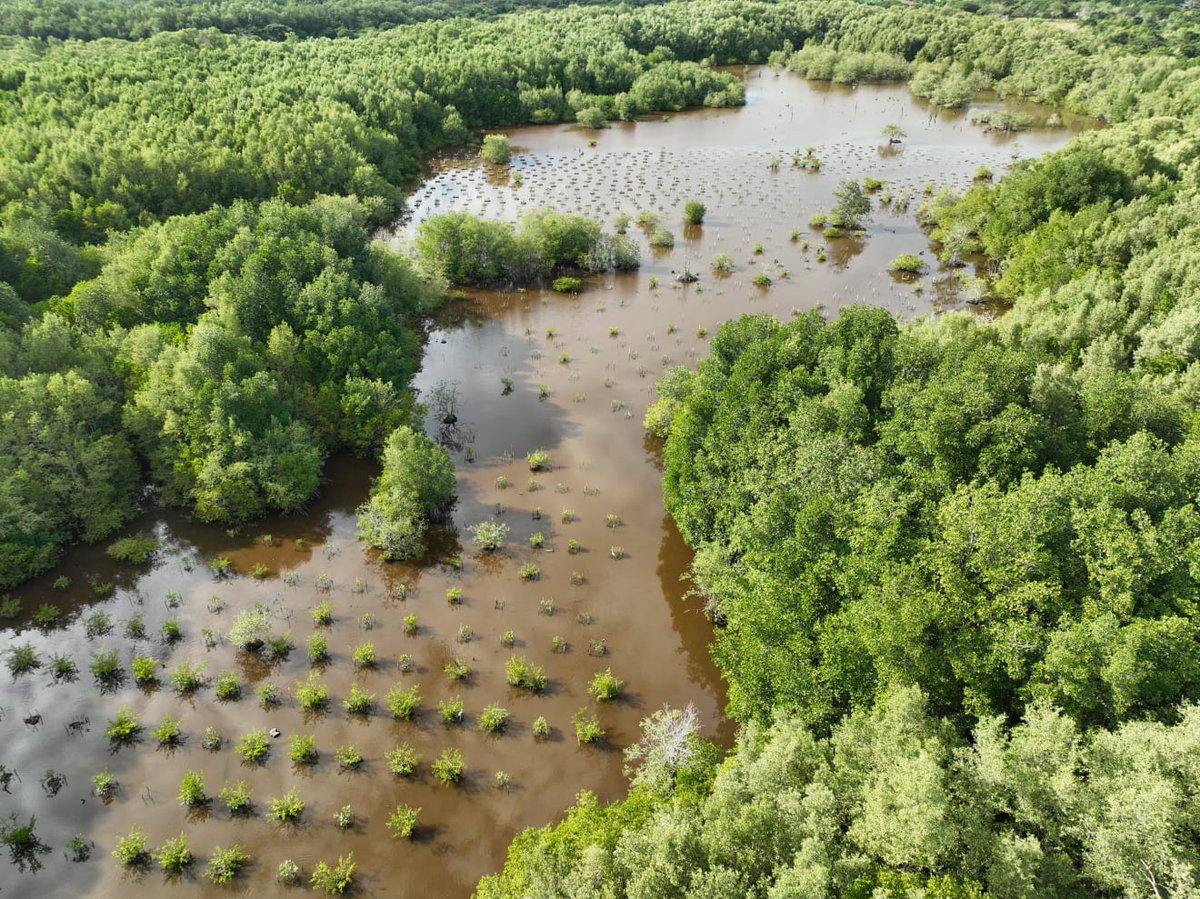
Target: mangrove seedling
point(187, 677)
point(318, 648)
point(587, 727)
point(104, 785)
point(493, 718)
point(334, 879)
point(359, 701)
point(131, 848)
point(364, 655)
point(457, 669)
point(448, 767)
point(236, 797)
point(489, 535)
point(538, 460)
point(225, 864)
point(173, 855)
point(168, 731)
point(287, 808)
point(254, 747)
point(604, 686)
point(191, 790)
point(403, 821)
point(403, 702)
point(403, 760)
point(520, 672)
point(322, 613)
point(144, 670)
point(123, 727)
point(268, 694)
point(226, 686)
point(302, 750)
point(212, 739)
point(106, 667)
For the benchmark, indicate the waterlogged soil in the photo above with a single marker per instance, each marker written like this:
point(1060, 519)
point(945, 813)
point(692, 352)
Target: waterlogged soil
point(582, 370)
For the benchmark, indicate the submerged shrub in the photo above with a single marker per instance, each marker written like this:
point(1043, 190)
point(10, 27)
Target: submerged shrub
point(662, 238)
point(907, 262)
point(520, 672)
point(448, 767)
point(496, 149)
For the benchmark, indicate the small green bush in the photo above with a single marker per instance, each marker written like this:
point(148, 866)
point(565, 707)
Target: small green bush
point(493, 718)
point(174, 856)
point(605, 685)
point(226, 686)
point(403, 821)
point(662, 238)
point(335, 879)
point(587, 727)
point(168, 731)
point(191, 790)
point(403, 702)
point(403, 760)
point(359, 701)
point(496, 149)
point(124, 726)
point(520, 672)
point(237, 797)
point(225, 864)
point(302, 750)
point(135, 550)
point(286, 808)
point(908, 263)
point(254, 746)
point(451, 709)
point(448, 767)
point(131, 848)
point(312, 694)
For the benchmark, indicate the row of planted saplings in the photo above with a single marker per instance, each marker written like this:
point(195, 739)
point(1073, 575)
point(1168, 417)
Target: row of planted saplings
point(174, 856)
point(402, 702)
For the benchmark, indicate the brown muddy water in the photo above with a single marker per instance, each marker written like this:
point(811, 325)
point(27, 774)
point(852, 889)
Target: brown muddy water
point(582, 371)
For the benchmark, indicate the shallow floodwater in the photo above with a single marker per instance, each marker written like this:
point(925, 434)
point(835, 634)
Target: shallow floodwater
point(582, 370)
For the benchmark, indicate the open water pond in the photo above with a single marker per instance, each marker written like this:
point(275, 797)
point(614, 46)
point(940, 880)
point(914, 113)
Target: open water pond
point(582, 370)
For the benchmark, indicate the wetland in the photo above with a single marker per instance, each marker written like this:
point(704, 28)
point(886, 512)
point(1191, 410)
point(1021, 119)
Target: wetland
point(503, 373)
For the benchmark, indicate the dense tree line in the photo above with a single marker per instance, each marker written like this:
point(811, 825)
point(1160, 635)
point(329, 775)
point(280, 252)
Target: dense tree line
point(892, 805)
point(271, 19)
point(98, 142)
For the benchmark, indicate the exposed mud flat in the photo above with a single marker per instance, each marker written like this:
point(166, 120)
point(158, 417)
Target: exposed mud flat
point(582, 370)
